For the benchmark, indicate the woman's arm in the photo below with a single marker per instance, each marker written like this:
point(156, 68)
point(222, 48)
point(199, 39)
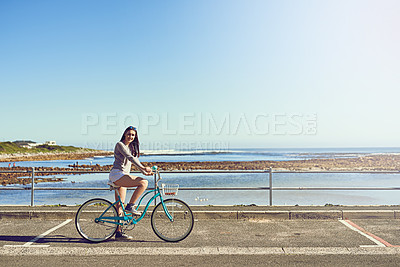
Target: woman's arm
point(126, 153)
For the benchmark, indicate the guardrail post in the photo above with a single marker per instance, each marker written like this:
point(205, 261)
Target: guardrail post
point(33, 187)
point(155, 181)
point(270, 186)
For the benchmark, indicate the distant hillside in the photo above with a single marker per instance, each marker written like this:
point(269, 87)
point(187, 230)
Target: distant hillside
point(12, 148)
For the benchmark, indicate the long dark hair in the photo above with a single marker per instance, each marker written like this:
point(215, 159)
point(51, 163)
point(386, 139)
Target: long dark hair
point(134, 145)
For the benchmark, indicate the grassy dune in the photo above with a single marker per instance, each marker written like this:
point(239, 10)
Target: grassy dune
point(11, 148)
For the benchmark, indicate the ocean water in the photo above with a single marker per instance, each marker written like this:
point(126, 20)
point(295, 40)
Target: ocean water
point(248, 154)
point(201, 197)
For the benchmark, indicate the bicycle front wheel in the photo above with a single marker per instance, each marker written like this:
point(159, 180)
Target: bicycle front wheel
point(176, 228)
point(91, 220)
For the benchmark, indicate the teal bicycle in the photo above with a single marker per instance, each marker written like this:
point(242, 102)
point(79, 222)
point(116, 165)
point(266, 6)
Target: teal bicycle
point(172, 219)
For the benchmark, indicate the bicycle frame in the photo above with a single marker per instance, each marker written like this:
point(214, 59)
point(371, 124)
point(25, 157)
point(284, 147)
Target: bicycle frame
point(130, 218)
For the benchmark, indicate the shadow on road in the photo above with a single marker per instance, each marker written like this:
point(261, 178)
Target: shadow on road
point(64, 239)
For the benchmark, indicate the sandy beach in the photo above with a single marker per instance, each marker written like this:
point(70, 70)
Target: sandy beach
point(386, 162)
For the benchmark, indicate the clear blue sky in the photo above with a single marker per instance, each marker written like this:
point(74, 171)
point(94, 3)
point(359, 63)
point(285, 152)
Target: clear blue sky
point(201, 74)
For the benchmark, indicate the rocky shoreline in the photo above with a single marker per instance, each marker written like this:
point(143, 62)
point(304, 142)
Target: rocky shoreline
point(367, 163)
point(387, 162)
point(80, 154)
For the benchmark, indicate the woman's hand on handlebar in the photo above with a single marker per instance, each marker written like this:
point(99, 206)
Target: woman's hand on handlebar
point(147, 171)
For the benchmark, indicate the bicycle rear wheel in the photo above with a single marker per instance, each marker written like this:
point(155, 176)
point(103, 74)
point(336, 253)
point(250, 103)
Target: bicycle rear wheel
point(88, 224)
point(176, 229)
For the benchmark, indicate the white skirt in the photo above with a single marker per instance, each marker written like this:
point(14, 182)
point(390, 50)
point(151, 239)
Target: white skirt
point(116, 174)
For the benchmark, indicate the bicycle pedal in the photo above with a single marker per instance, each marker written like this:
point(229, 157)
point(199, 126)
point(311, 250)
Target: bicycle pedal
point(129, 227)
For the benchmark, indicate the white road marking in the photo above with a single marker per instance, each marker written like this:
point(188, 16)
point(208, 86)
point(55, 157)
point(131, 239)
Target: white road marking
point(377, 242)
point(29, 244)
point(195, 251)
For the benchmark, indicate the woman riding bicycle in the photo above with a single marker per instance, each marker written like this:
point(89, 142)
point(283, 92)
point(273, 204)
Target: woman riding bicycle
point(127, 152)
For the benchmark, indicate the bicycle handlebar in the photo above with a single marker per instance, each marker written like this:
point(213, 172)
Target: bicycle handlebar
point(155, 169)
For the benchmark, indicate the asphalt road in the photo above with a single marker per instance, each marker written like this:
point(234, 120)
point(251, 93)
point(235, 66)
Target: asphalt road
point(255, 242)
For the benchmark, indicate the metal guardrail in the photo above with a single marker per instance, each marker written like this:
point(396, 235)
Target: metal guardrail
point(269, 172)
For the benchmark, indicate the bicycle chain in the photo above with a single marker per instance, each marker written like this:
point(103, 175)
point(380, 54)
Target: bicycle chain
point(128, 225)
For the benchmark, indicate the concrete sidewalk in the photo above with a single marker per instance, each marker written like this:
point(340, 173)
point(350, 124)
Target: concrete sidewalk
point(228, 212)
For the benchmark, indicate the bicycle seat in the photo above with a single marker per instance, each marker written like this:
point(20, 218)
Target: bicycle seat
point(112, 185)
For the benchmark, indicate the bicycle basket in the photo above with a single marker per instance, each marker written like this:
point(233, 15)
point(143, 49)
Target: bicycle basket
point(169, 189)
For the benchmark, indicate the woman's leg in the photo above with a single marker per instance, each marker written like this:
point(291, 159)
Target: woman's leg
point(122, 194)
point(133, 181)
